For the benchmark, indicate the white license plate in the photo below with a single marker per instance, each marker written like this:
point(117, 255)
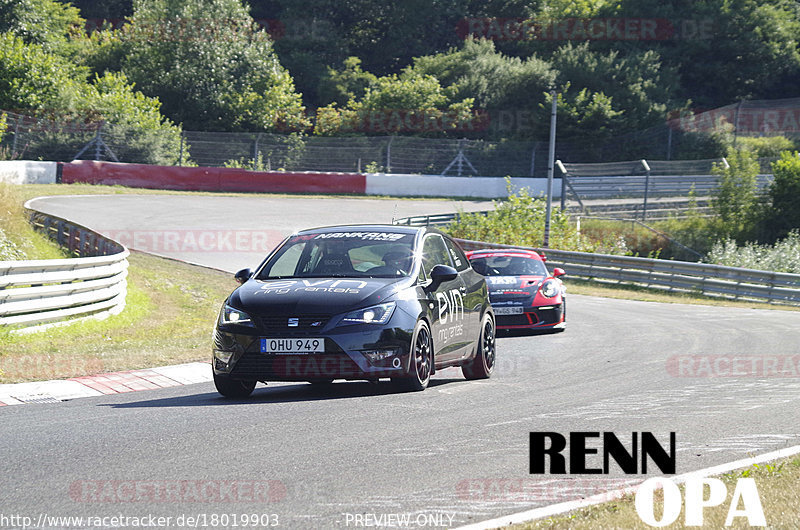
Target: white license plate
point(292, 346)
point(518, 310)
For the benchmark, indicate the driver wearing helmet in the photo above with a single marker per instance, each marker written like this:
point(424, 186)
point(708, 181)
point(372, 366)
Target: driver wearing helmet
point(397, 262)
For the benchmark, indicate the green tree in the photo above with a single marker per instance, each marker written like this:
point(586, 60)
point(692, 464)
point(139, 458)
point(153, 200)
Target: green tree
point(45, 22)
point(495, 81)
point(724, 50)
point(209, 65)
point(579, 111)
point(31, 78)
point(736, 201)
point(148, 136)
point(350, 83)
point(639, 85)
point(37, 82)
point(784, 194)
point(392, 104)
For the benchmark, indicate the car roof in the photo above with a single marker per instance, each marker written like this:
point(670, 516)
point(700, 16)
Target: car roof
point(397, 229)
point(510, 252)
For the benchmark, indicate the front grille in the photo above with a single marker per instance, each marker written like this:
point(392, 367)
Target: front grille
point(275, 323)
point(549, 316)
point(525, 319)
point(266, 367)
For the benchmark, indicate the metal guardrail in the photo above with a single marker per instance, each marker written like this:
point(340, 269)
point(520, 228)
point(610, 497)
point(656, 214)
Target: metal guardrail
point(38, 294)
point(658, 211)
point(682, 276)
point(628, 211)
point(654, 186)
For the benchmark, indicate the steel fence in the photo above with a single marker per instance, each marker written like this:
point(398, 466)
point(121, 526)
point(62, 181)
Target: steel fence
point(37, 294)
point(679, 276)
point(60, 140)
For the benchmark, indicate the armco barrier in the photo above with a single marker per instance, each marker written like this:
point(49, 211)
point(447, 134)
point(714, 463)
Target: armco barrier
point(209, 178)
point(37, 294)
point(399, 185)
point(714, 280)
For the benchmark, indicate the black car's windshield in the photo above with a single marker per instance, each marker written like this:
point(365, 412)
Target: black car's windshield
point(505, 265)
point(344, 255)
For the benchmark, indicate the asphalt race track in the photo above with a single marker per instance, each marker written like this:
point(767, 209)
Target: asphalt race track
point(232, 232)
point(454, 454)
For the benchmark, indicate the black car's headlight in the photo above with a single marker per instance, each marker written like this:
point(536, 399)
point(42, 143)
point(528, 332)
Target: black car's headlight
point(550, 288)
point(377, 314)
point(232, 315)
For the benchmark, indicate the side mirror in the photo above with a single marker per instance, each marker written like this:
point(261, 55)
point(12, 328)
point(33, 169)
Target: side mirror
point(441, 274)
point(558, 271)
point(243, 275)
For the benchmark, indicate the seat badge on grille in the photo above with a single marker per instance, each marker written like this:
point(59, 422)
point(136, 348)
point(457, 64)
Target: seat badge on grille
point(294, 322)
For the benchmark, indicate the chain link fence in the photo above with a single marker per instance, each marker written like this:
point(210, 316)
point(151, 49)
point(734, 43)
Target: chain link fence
point(59, 139)
point(44, 139)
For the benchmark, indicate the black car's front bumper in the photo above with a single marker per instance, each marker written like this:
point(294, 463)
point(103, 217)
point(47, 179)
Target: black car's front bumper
point(350, 353)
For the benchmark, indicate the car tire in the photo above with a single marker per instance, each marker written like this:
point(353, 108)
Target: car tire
point(231, 388)
point(482, 366)
point(421, 362)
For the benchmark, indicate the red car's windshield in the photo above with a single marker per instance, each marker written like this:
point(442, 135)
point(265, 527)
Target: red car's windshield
point(505, 265)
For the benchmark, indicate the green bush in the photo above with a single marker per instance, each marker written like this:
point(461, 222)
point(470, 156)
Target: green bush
point(766, 146)
point(520, 221)
point(783, 215)
point(784, 256)
point(735, 200)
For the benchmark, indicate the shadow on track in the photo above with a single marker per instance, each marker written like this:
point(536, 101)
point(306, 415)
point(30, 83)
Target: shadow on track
point(502, 333)
point(285, 394)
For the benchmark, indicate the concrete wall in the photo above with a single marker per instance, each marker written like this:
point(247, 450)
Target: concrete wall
point(209, 178)
point(230, 179)
point(27, 172)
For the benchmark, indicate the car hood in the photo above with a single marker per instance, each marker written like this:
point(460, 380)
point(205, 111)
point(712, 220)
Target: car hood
point(328, 296)
point(513, 286)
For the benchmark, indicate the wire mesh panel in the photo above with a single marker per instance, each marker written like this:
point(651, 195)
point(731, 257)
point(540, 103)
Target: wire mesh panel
point(633, 167)
point(64, 139)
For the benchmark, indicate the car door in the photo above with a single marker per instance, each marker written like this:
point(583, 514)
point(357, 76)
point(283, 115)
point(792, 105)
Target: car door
point(449, 317)
point(475, 294)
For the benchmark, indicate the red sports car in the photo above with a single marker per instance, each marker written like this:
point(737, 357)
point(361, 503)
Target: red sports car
point(522, 292)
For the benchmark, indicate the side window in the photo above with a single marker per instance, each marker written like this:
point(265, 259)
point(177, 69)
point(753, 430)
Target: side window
point(457, 255)
point(434, 253)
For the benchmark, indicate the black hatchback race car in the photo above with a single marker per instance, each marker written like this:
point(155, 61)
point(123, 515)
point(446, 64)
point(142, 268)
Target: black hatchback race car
point(355, 302)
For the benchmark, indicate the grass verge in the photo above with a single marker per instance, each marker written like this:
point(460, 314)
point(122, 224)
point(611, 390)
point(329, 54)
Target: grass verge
point(170, 311)
point(18, 239)
point(777, 489)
